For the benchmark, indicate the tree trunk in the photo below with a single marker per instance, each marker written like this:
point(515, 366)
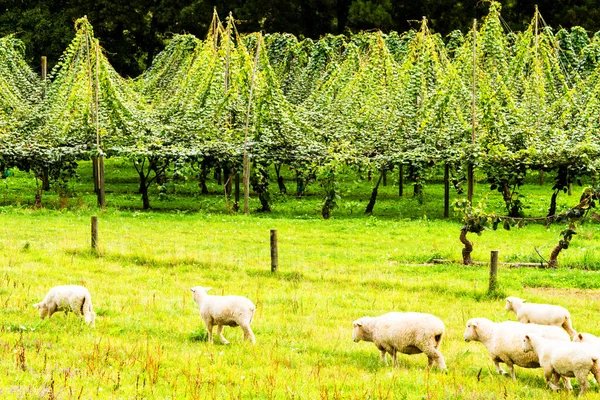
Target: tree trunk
point(260, 184)
point(417, 190)
point(466, 252)
point(144, 190)
point(400, 180)
point(228, 173)
point(236, 204)
point(202, 178)
point(553, 260)
point(218, 176)
point(280, 183)
point(45, 179)
point(371, 204)
point(300, 185)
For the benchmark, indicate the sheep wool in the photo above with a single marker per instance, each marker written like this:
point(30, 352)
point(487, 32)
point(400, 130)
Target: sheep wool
point(68, 298)
point(541, 314)
point(224, 311)
point(503, 341)
point(407, 333)
point(564, 359)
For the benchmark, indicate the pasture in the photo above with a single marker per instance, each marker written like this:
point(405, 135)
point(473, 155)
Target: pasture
point(150, 342)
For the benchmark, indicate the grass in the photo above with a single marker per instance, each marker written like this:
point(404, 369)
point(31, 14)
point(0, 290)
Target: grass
point(149, 340)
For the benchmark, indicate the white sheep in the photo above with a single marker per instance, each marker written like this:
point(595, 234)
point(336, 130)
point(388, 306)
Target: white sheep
point(407, 333)
point(541, 314)
point(564, 359)
point(503, 341)
point(224, 311)
point(68, 298)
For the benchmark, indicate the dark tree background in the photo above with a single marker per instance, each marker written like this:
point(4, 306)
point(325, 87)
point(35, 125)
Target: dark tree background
point(133, 32)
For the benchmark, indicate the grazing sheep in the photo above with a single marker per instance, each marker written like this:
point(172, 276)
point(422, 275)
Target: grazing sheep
point(68, 298)
point(541, 314)
point(503, 341)
point(407, 333)
point(564, 359)
point(224, 311)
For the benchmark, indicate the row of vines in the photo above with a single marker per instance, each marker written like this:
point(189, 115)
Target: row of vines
point(498, 102)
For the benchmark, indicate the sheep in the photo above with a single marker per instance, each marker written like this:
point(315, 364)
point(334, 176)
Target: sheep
point(541, 314)
point(503, 341)
point(407, 333)
point(224, 311)
point(564, 359)
point(68, 298)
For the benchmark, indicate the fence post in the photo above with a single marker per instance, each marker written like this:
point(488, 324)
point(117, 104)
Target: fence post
point(493, 271)
point(274, 252)
point(94, 232)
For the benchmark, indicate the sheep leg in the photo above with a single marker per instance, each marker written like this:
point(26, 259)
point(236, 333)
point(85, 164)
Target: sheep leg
point(209, 328)
point(583, 382)
point(566, 382)
point(511, 368)
point(550, 375)
point(499, 368)
point(383, 354)
point(567, 326)
point(394, 358)
point(435, 357)
point(220, 333)
point(596, 371)
point(248, 334)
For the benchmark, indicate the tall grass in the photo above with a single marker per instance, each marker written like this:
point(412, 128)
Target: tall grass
point(149, 341)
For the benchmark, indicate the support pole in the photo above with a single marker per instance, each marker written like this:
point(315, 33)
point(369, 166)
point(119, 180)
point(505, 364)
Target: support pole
point(446, 191)
point(246, 171)
point(470, 174)
point(493, 271)
point(94, 232)
point(274, 251)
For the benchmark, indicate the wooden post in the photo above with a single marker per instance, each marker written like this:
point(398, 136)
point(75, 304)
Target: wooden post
point(274, 251)
point(44, 71)
point(94, 232)
point(493, 271)
point(446, 191)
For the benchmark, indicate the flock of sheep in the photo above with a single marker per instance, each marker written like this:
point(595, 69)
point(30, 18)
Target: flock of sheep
point(544, 336)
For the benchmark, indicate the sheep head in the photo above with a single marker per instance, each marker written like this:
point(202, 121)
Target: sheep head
point(359, 331)
point(527, 344)
point(471, 331)
point(42, 308)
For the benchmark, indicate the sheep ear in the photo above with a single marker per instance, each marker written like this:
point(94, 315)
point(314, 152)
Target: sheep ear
point(474, 324)
point(580, 336)
point(527, 337)
point(192, 289)
point(36, 305)
point(357, 323)
point(508, 300)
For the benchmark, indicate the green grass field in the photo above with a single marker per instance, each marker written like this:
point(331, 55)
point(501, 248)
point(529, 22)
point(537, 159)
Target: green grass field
point(150, 342)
